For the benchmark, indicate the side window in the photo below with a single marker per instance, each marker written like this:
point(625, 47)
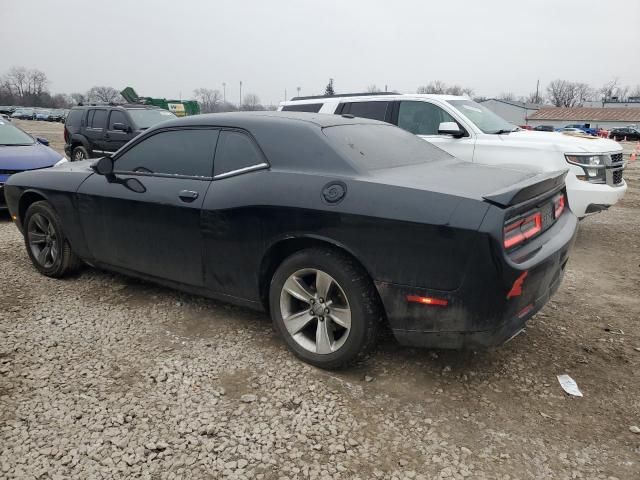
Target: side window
point(372, 110)
point(74, 117)
point(174, 152)
point(117, 116)
point(90, 117)
point(99, 119)
point(303, 107)
point(422, 118)
point(235, 151)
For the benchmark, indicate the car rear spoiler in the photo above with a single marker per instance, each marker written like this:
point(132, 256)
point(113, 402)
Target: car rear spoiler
point(527, 189)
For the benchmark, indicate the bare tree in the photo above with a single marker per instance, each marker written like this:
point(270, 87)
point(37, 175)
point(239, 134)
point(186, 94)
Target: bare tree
point(373, 89)
point(441, 88)
point(103, 94)
point(78, 98)
point(251, 102)
point(210, 100)
point(568, 94)
point(609, 89)
point(507, 96)
point(635, 92)
point(16, 81)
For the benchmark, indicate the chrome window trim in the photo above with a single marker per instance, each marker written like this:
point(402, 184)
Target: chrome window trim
point(239, 171)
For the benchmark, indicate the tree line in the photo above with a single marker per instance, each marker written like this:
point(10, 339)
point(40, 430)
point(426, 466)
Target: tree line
point(30, 88)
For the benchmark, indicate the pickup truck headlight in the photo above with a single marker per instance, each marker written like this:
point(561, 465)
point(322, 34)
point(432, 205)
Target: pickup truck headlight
point(594, 166)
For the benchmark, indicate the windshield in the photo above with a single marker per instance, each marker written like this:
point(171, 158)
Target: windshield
point(373, 147)
point(145, 118)
point(482, 117)
point(10, 135)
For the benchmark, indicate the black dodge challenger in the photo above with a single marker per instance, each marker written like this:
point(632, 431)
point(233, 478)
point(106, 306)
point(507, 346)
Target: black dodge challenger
point(333, 224)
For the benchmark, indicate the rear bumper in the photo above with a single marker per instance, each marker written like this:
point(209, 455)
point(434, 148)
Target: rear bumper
point(481, 312)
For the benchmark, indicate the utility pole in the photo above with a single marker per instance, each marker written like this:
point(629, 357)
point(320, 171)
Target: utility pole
point(298, 89)
point(285, 94)
point(385, 87)
point(240, 104)
point(224, 92)
point(538, 92)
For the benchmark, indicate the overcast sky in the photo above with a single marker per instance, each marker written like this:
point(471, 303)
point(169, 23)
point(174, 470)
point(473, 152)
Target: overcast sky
point(168, 48)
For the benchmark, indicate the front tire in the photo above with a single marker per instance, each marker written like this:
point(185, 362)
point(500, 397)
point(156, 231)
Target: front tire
point(79, 153)
point(46, 243)
point(325, 307)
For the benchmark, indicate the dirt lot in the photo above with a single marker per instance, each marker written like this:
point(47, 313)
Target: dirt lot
point(106, 377)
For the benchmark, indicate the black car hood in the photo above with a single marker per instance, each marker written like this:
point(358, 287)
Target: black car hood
point(456, 177)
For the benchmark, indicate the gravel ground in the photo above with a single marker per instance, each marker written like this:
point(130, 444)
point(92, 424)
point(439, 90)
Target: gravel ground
point(106, 377)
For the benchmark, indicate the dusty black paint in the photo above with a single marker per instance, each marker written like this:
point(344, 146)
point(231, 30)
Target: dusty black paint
point(423, 229)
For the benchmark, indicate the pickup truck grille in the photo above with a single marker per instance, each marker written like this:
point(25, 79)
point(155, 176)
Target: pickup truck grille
point(616, 158)
point(617, 177)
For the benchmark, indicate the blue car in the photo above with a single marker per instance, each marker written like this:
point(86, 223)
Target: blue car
point(19, 151)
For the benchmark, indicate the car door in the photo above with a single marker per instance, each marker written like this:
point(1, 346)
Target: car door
point(114, 139)
point(95, 129)
point(233, 234)
point(146, 217)
point(423, 119)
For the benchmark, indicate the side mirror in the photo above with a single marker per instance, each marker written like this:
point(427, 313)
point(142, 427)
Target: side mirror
point(450, 128)
point(103, 166)
point(121, 126)
point(43, 141)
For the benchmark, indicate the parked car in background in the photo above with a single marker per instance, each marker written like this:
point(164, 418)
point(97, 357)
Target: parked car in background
point(4, 117)
point(55, 116)
point(95, 130)
point(473, 133)
point(271, 210)
point(571, 130)
point(585, 127)
point(544, 128)
point(24, 114)
point(7, 110)
point(43, 115)
point(19, 152)
point(628, 133)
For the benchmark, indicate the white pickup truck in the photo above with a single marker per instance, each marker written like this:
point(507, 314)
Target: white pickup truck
point(471, 132)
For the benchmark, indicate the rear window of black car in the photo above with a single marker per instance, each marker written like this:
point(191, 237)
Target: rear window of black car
point(74, 117)
point(235, 151)
point(373, 147)
point(303, 107)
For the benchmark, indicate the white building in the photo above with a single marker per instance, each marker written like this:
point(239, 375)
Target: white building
point(512, 111)
point(606, 118)
point(633, 102)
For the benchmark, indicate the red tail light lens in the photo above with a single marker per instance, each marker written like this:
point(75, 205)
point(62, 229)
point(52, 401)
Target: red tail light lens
point(523, 229)
point(559, 204)
point(66, 136)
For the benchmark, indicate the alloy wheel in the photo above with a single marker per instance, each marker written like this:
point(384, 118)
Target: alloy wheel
point(315, 311)
point(79, 155)
point(43, 240)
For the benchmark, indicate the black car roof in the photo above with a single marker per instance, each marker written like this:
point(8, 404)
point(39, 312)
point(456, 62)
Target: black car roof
point(247, 119)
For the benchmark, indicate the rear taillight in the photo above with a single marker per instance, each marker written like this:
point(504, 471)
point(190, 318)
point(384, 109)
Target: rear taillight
point(522, 229)
point(559, 204)
point(66, 135)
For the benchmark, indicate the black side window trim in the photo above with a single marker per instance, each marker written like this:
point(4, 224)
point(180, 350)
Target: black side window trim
point(165, 175)
point(252, 168)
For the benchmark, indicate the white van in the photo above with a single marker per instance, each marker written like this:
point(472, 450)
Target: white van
point(473, 133)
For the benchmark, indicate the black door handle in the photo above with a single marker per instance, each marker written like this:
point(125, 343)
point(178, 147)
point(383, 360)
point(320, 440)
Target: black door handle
point(188, 195)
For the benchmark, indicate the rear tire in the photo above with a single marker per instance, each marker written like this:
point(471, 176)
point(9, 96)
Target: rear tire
point(79, 153)
point(47, 246)
point(325, 307)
